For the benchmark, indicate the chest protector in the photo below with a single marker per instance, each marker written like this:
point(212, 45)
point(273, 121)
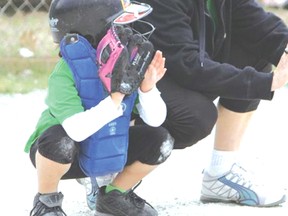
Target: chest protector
point(105, 151)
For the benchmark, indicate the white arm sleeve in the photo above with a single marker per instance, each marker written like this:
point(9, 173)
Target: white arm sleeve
point(82, 125)
point(152, 108)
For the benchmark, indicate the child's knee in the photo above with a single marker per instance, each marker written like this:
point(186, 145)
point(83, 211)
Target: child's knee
point(63, 151)
point(161, 149)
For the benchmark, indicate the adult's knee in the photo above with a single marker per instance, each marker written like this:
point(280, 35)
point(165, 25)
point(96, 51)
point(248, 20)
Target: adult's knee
point(196, 124)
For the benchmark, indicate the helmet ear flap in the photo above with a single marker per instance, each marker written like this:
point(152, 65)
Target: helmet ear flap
point(90, 38)
point(98, 37)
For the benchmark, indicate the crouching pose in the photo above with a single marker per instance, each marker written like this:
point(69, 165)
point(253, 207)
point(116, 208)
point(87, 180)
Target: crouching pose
point(106, 72)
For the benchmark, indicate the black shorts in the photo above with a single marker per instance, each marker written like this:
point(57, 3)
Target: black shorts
point(149, 145)
point(192, 115)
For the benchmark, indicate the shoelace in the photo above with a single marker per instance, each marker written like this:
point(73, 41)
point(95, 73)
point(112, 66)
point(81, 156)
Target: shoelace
point(241, 173)
point(40, 207)
point(136, 200)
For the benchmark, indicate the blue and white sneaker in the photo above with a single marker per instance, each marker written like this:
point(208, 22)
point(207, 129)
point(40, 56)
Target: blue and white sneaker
point(236, 186)
point(91, 188)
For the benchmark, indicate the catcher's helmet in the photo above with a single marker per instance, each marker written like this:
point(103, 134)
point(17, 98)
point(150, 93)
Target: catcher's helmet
point(92, 18)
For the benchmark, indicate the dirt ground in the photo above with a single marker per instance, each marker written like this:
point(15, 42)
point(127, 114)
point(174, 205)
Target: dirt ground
point(173, 188)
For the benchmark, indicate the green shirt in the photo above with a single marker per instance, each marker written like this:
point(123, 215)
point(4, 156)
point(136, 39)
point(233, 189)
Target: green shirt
point(212, 11)
point(62, 101)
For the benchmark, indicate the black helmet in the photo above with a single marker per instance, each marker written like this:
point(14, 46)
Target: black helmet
point(91, 18)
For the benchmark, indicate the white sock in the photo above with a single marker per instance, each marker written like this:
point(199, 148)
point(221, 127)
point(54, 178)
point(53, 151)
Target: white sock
point(221, 162)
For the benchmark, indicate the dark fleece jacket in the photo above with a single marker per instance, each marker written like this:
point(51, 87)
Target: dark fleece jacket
point(223, 60)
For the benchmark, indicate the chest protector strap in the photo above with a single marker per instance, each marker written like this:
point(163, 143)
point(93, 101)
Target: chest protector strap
point(106, 150)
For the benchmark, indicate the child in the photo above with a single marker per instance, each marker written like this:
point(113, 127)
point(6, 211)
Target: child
point(61, 146)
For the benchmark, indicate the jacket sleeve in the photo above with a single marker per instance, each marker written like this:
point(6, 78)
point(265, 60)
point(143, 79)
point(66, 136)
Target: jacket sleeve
point(260, 32)
point(179, 41)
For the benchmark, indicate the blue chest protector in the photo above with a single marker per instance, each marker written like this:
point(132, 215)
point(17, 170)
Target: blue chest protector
point(106, 150)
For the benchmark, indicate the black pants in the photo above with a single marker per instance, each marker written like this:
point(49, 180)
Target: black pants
point(192, 115)
point(149, 145)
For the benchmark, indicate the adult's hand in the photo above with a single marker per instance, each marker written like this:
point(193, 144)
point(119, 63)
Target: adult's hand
point(280, 77)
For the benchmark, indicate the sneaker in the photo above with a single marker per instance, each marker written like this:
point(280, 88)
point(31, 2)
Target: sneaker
point(48, 205)
point(92, 185)
point(237, 187)
point(91, 188)
point(116, 203)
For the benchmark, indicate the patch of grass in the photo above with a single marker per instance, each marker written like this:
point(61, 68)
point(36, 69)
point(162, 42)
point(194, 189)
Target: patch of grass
point(24, 75)
point(30, 31)
point(282, 13)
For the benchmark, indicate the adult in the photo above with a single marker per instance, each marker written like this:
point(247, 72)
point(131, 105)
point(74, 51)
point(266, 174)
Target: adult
point(221, 49)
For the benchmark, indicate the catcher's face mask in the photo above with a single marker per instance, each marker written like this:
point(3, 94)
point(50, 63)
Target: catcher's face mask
point(132, 11)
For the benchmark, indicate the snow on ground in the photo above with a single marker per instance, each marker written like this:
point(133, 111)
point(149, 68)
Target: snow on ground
point(173, 188)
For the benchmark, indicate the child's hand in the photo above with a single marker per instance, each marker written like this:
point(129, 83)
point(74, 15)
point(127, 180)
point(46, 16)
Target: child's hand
point(117, 98)
point(154, 73)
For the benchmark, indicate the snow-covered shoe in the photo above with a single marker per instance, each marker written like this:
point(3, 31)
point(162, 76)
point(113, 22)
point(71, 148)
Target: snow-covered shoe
point(237, 186)
point(48, 205)
point(115, 203)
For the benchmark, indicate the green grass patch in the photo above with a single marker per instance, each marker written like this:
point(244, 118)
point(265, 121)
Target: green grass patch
point(32, 32)
point(24, 75)
point(29, 31)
